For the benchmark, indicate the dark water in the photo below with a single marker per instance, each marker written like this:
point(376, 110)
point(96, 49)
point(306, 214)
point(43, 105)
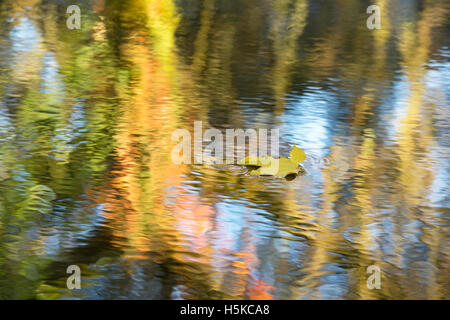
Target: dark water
point(86, 118)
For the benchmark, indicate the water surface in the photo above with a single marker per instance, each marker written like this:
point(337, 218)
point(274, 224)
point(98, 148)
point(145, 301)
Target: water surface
point(86, 178)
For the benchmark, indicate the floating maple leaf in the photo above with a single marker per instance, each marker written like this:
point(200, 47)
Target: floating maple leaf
point(282, 167)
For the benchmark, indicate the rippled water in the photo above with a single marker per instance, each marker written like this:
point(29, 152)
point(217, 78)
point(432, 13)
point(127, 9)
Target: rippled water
point(86, 118)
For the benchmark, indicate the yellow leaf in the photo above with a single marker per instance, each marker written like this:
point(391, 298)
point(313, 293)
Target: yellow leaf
point(297, 155)
point(268, 166)
point(277, 167)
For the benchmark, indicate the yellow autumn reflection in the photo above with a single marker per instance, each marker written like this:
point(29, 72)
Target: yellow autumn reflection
point(86, 175)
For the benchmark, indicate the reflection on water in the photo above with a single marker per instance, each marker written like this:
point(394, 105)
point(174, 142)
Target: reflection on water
point(85, 141)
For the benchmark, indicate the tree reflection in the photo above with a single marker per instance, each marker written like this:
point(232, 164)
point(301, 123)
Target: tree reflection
point(86, 176)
